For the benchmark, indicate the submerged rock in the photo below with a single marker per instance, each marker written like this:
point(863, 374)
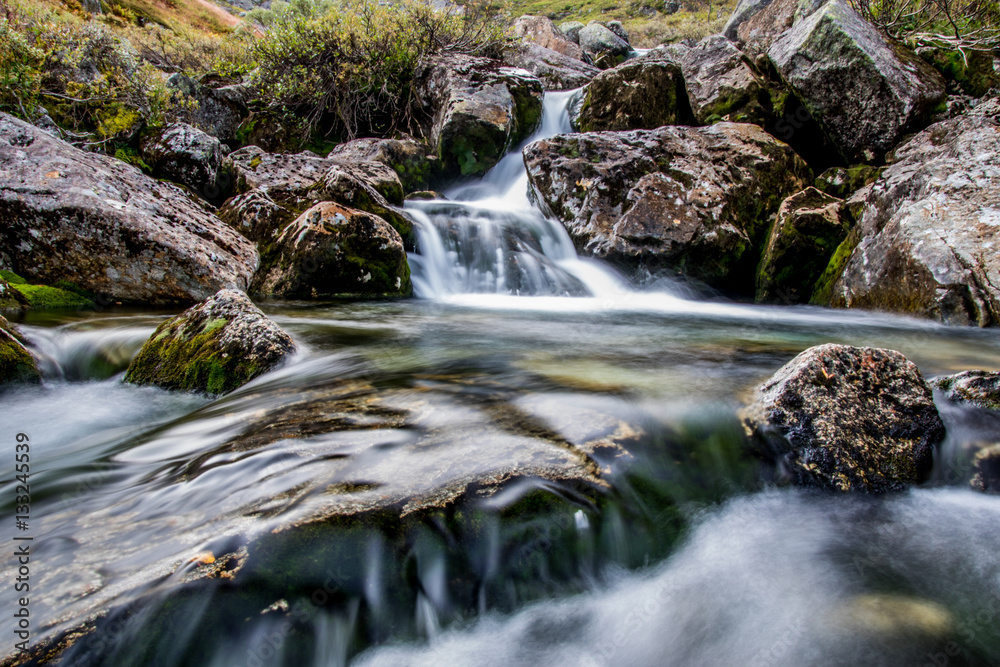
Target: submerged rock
point(332, 251)
point(474, 109)
point(696, 200)
point(213, 347)
point(846, 418)
point(987, 466)
point(17, 365)
point(978, 388)
point(542, 31)
point(555, 70)
point(106, 227)
point(186, 155)
point(806, 232)
point(928, 228)
point(865, 93)
point(641, 94)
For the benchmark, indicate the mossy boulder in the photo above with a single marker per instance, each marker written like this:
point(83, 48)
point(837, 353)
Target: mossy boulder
point(334, 251)
point(372, 187)
point(841, 182)
point(415, 166)
point(807, 231)
point(473, 109)
point(722, 84)
point(213, 347)
point(17, 365)
point(865, 92)
point(847, 419)
point(695, 201)
point(978, 388)
point(641, 94)
point(185, 155)
point(11, 300)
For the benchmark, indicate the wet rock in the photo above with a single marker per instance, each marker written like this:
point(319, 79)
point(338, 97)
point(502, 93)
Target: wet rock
point(220, 111)
point(865, 93)
point(213, 347)
point(987, 470)
point(843, 181)
point(555, 70)
point(186, 155)
point(978, 388)
point(927, 227)
point(409, 158)
point(17, 365)
point(722, 85)
point(333, 251)
point(806, 232)
point(846, 418)
point(571, 29)
point(106, 227)
point(605, 47)
point(474, 109)
point(644, 93)
point(696, 200)
point(543, 32)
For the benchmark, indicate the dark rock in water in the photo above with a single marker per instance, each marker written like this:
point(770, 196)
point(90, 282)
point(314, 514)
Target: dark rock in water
point(220, 111)
point(410, 159)
point(696, 200)
point(864, 92)
point(978, 388)
point(214, 347)
point(184, 154)
point(841, 182)
point(542, 31)
point(335, 251)
point(806, 232)
point(108, 228)
point(987, 467)
point(555, 70)
point(847, 418)
point(17, 365)
point(640, 94)
point(722, 85)
point(474, 108)
point(605, 47)
point(927, 226)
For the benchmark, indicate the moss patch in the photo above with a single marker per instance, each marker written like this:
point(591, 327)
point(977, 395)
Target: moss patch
point(17, 366)
point(823, 290)
point(43, 296)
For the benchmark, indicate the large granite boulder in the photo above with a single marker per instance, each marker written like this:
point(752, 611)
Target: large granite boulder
point(555, 70)
point(846, 418)
point(806, 232)
point(603, 46)
point(17, 365)
point(416, 168)
point(334, 251)
point(864, 92)
point(186, 155)
point(106, 227)
point(640, 94)
point(722, 84)
point(978, 388)
point(928, 229)
point(696, 200)
point(474, 109)
point(542, 31)
point(213, 347)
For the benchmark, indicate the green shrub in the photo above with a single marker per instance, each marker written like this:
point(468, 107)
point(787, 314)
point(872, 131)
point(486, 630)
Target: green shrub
point(20, 70)
point(958, 25)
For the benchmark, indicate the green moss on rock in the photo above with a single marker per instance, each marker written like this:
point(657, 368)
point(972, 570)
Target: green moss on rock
point(17, 366)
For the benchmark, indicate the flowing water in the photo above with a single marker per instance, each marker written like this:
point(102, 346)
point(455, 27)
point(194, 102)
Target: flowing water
point(532, 463)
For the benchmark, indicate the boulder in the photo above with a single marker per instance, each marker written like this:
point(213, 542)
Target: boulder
point(555, 70)
point(186, 155)
point(474, 109)
point(806, 232)
point(617, 28)
point(978, 388)
point(371, 187)
point(571, 30)
point(17, 365)
point(697, 200)
point(213, 347)
point(927, 233)
point(103, 225)
point(220, 111)
point(640, 94)
point(416, 169)
point(986, 465)
point(756, 24)
point(846, 418)
point(865, 93)
point(256, 216)
point(543, 32)
point(722, 85)
point(602, 45)
point(286, 178)
point(333, 251)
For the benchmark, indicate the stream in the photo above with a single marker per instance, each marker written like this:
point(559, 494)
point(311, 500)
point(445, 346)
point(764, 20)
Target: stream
point(531, 463)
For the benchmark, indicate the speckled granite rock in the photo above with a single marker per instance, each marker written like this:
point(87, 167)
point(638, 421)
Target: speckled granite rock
point(978, 388)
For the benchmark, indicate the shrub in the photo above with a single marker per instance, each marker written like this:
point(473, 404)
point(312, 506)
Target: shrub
point(958, 25)
point(20, 70)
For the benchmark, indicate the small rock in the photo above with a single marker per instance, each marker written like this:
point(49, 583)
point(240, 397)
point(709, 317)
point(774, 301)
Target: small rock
point(987, 467)
point(978, 388)
point(605, 47)
point(543, 32)
point(409, 158)
point(555, 70)
point(571, 29)
point(17, 365)
point(841, 182)
point(846, 418)
point(213, 347)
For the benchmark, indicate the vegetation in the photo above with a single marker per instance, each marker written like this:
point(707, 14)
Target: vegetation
point(957, 25)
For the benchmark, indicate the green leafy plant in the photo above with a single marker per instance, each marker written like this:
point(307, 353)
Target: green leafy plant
point(959, 25)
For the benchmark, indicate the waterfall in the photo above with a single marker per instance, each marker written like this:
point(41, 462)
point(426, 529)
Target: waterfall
point(487, 238)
